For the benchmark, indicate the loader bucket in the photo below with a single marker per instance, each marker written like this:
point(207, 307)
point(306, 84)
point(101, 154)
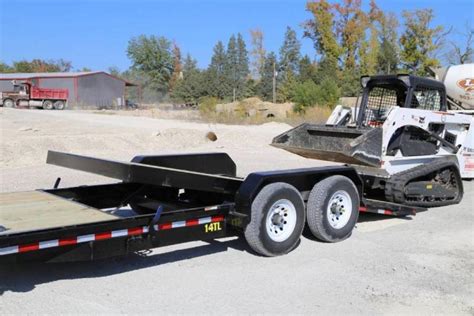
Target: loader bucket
point(339, 144)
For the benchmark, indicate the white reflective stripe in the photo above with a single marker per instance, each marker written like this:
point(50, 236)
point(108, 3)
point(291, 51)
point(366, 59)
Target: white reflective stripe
point(85, 238)
point(8, 250)
point(145, 229)
point(178, 224)
point(381, 211)
point(48, 244)
point(205, 220)
point(210, 208)
point(119, 233)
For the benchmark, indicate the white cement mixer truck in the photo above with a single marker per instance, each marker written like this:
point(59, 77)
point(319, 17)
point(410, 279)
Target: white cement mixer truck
point(459, 82)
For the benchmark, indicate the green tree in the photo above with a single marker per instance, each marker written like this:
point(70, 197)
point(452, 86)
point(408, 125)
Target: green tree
point(243, 70)
point(265, 87)
point(371, 48)
point(231, 67)
point(419, 42)
point(288, 64)
point(5, 68)
point(190, 87)
point(152, 56)
point(388, 59)
point(290, 52)
point(216, 83)
point(307, 69)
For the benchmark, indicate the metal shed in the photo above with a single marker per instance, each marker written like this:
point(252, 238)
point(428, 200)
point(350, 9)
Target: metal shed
point(96, 88)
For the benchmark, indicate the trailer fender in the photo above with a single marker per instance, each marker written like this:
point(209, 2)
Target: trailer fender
point(302, 179)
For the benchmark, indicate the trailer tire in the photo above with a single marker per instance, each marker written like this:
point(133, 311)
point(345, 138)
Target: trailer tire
point(277, 220)
point(8, 103)
point(48, 105)
point(333, 209)
point(59, 105)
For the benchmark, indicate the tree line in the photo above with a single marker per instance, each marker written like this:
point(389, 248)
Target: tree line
point(348, 41)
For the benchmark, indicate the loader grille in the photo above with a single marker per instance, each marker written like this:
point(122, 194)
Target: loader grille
point(426, 99)
point(379, 101)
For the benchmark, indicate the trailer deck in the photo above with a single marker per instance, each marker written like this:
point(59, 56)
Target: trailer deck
point(37, 210)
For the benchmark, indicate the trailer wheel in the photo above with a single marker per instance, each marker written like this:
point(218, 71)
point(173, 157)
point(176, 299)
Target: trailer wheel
point(47, 105)
point(277, 220)
point(333, 209)
point(8, 103)
point(59, 105)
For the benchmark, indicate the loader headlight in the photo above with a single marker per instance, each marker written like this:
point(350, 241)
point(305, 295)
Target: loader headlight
point(364, 80)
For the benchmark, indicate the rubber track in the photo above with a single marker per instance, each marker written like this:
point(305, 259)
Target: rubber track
point(394, 188)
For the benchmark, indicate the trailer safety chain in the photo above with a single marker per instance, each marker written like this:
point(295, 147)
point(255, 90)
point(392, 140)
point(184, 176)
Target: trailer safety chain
point(90, 238)
point(156, 218)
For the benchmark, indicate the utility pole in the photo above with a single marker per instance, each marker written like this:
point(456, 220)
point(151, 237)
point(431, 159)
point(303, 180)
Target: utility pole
point(274, 83)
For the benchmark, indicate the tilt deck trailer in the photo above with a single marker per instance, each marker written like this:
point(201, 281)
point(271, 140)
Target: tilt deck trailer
point(181, 198)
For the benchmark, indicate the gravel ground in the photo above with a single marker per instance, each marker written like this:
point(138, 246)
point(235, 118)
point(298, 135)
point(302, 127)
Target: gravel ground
point(422, 264)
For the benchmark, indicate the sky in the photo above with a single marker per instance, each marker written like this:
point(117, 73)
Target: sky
point(94, 34)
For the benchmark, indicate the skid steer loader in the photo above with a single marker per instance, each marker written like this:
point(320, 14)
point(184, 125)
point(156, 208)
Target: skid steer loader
point(402, 140)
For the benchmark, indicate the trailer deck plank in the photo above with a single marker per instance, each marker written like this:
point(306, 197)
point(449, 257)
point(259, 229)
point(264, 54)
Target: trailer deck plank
point(36, 210)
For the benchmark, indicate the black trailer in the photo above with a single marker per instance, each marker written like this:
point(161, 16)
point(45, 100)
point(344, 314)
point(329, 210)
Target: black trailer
point(163, 200)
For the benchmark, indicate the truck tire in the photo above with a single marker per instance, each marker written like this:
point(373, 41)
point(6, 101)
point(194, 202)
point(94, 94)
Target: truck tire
point(333, 209)
point(47, 105)
point(277, 220)
point(59, 105)
point(8, 103)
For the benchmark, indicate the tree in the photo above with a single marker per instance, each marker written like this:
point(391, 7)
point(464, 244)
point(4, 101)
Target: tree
point(216, 78)
point(190, 88)
point(290, 52)
point(113, 70)
point(307, 70)
point(152, 56)
point(242, 67)
point(370, 51)
point(420, 42)
point(288, 65)
point(4, 68)
point(321, 30)
point(231, 67)
point(463, 54)
point(257, 53)
point(265, 87)
point(177, 67)
point(388, 59)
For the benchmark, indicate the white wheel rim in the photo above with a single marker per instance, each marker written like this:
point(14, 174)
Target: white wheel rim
point(339, 209)
point(281, 220)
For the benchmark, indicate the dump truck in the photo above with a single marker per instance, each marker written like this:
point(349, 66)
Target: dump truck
point(403, 153)
point(25, 94)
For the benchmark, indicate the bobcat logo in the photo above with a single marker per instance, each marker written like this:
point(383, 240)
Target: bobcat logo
point(467, 84)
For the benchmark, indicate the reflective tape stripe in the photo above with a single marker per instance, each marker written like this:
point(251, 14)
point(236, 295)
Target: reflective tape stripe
point(106, 235)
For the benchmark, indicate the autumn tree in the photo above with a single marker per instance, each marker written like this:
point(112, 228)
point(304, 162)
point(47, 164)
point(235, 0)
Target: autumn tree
point(177, 67)
point(371, 48)
point(257, 53)
point(321, 30)
point(419, 42)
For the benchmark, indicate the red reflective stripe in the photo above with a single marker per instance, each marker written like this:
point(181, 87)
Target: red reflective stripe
point(192, 222)
point(165, 226)
point(135, 231)
point(28, 247)
point(218, 218)
point(67, 241)
point(387, 212)
point(101, 236)
point(363, 209)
